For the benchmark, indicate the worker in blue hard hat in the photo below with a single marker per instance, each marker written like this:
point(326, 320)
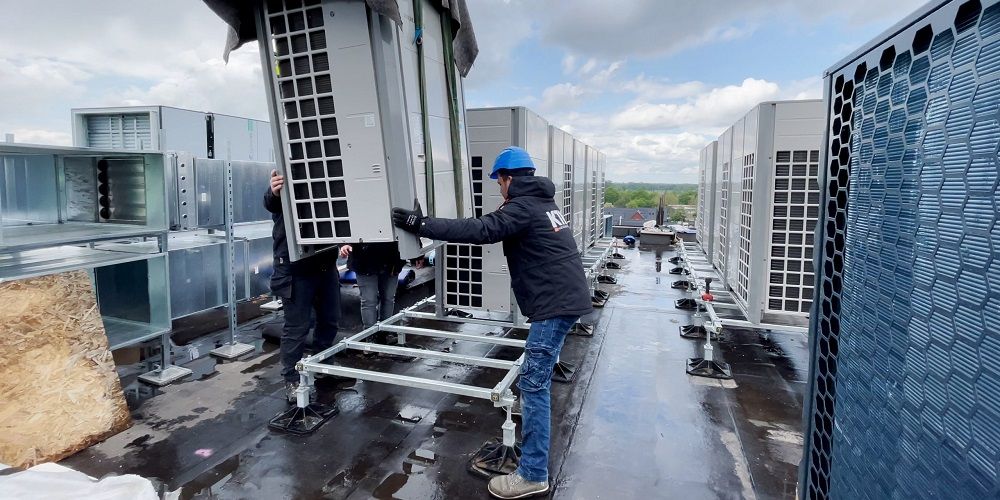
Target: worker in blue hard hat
point(546, 274)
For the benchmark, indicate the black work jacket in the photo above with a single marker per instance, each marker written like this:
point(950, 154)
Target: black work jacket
point(546, 271)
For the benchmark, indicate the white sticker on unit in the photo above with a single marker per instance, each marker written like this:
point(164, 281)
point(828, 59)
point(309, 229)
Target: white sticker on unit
point(204, 197)
point(370, 120)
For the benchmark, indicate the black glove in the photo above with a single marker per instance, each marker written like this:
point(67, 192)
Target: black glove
point(407, 220)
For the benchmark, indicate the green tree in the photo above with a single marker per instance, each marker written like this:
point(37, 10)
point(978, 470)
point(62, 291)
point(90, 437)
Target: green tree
point(677, 216)
point(671, 198)
point(688, 197)
point(613, 195)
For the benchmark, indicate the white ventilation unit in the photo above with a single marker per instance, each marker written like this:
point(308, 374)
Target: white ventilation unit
point(768, 207)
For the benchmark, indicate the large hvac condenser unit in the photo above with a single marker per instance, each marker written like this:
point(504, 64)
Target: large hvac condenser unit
point(904, 395)
point(769, 205)
point(366, 118)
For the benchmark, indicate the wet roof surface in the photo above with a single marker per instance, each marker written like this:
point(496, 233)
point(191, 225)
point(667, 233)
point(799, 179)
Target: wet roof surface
point(632, 424)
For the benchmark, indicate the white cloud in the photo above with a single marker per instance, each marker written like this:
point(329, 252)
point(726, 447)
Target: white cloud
point(562, 96)
point(501, 25)
point(568, 64)
point(715, 108)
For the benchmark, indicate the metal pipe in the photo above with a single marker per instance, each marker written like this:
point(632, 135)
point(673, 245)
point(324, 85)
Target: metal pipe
point(429, 354)
point(474, 321)
point(452, 335)
point(403, 380)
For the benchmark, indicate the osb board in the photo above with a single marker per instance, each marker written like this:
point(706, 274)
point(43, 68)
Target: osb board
point(59, 392)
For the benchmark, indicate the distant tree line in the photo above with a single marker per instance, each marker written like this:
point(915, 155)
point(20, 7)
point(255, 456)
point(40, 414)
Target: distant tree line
point(642, 195)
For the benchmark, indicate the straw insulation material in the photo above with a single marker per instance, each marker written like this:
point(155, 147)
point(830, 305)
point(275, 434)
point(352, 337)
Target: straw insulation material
point(58, 386)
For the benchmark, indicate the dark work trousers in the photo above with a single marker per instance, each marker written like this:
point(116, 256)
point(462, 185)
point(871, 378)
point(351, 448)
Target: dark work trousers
point(319, 291)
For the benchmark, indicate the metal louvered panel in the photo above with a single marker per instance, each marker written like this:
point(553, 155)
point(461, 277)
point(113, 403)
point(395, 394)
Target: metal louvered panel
point(120, 131)
point(742, 286)
point(904, 389)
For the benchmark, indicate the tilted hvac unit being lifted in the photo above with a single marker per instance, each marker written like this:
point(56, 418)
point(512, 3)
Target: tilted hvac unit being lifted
point(476, 275)
point(904, 394)
point(768, 206)
point(706, 220)
point(368, 117)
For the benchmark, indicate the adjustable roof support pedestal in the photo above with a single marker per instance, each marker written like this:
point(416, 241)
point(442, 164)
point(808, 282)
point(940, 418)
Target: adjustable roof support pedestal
point(696, 329)
point(231, 349)
point(307, 415)
point(707, 366)
point(499, 456)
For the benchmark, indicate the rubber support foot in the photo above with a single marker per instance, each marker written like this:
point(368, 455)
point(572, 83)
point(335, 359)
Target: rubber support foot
point(494, 459)
point(459, 313)
point(686, 304)
point(680, 285)
point(678, 270)
point(692, 331)
point(606, 279)
point(675, 259)
point(563, 372)
point(617, 256)
point(612, 265)
point(582, 330)
point(701, 367)
point(303, 421)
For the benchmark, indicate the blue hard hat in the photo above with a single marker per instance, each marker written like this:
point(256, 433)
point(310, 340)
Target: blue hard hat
point(512, 158)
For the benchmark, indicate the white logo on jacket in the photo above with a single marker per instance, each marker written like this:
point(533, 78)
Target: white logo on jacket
point(557, 220)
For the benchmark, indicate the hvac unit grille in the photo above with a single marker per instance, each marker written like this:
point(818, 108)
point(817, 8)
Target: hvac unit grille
point(722, 247)
point(567, 192)
point(477, 185)
point(905, 392)
point(699, 221)
point(303, 78)
point(600, 208)
point(795, 210)
point(746, 225)
point(464, 264)
point(593, 207)
point(464, 280)
point(117, 131)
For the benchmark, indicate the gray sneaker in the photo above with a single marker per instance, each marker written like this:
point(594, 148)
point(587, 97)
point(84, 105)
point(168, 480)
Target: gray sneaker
point(514, 486)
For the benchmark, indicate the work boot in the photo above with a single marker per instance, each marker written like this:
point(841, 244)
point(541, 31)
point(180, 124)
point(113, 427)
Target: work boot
point(515, 486)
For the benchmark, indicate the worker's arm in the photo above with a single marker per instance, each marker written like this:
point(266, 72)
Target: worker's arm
point(511, 219)
point(272, 198)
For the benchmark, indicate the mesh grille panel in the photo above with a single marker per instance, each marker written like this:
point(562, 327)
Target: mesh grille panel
point(567, 192)
point(118, 131)
point(796, 189)
point(303, 78)
point(722, 246)
point(904, 390)
point(746, 225)
point(464, 262)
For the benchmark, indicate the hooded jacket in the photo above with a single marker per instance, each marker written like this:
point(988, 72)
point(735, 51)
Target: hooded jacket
point(546, 271)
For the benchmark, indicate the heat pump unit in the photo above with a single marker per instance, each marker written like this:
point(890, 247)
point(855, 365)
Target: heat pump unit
point(359, 129)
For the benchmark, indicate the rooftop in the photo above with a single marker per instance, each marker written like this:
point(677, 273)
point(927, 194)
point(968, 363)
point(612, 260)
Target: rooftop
point(632, 424)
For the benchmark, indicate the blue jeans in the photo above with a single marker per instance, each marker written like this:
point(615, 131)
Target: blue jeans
point(378, 296)
point(545, 340)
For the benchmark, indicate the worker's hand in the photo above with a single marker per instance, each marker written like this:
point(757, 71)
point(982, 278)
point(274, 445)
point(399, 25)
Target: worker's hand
point(277, 182)
point(407, 220)
point(345, 250)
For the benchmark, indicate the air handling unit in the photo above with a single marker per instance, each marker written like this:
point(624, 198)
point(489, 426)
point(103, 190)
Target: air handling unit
point(904, 394)
point(368, 115)
point(706, 221)
point(477, 275)
point(769, 197)
point(163, 128)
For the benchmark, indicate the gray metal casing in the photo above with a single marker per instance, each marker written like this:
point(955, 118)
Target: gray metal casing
point(580, 204)
point(561, 169)
point(351, 146)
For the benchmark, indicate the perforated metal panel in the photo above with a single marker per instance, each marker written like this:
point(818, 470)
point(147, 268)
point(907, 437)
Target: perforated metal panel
point(720, 258)
point(904, 393)
point(742, 285)
point(705, 221)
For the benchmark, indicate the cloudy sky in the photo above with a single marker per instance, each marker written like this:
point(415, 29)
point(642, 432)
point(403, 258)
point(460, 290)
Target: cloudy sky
point(647, 81)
